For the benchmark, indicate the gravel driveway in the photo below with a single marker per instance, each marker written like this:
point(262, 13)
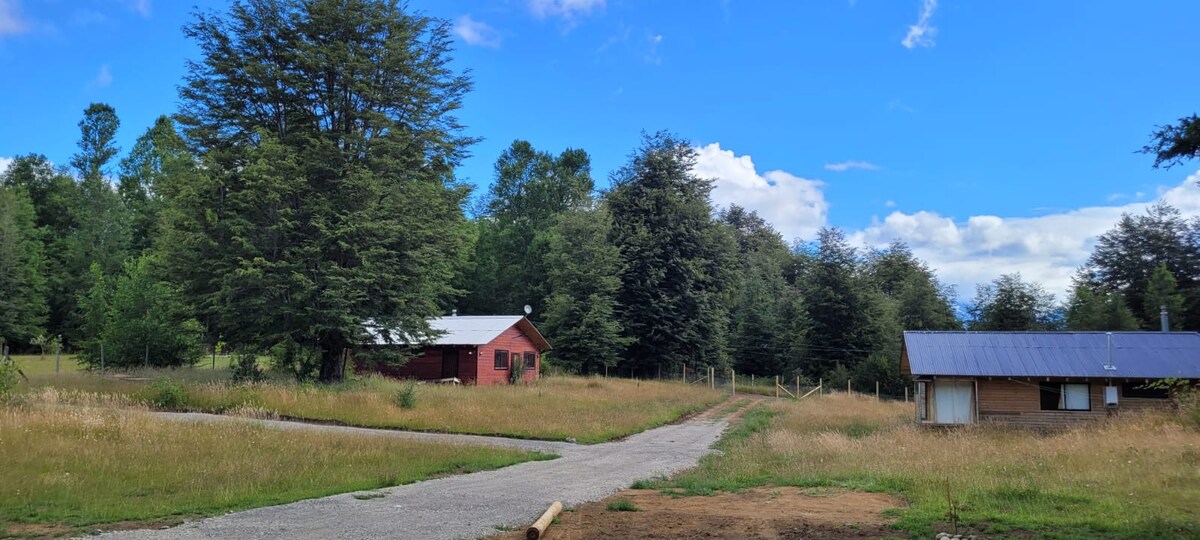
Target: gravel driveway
point(466, 506)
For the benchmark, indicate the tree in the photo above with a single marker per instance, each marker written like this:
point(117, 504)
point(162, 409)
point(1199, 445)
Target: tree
point(1161, 292)
point(56, 202)
point(1126, 256)
point(1010, 304)
point(98, 129)
point(22, 287)
point(675, 260)
point(140, 319)
point(327, 199)
point(840, 301)
point(1174, 144)
point(580, 317)
point(158, 157)
point(531, 188)
point(1088, 310)
point(923, 303)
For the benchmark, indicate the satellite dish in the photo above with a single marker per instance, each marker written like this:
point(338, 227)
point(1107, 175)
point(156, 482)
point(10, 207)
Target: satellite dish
point(528, 309)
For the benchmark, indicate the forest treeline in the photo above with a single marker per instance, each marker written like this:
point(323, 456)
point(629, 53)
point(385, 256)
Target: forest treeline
point(306, 186)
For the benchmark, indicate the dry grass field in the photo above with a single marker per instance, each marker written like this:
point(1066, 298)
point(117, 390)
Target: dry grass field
point(72, 469)
point(556, 408)
point(1136, 476)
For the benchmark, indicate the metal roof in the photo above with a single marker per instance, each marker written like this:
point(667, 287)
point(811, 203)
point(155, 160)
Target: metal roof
point(470, 330)
point(1135, 355)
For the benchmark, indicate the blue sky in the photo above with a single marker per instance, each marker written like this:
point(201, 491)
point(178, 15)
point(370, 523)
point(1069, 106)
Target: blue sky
point(992, 136)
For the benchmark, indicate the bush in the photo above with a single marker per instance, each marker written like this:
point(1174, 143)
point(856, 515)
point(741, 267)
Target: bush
point(245, 368)
point(167, 393)
point(406, 396)
point(622, 505)
point(518, 370)
point(9, 377)
point(302, 363)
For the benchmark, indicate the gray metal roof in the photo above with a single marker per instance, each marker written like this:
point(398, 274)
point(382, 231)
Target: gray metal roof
point(468, 330)
point(1148, 355)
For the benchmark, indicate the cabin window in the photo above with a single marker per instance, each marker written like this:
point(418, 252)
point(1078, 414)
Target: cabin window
point(501, 359)
point(1139, 390)
point(1065, 397)
point(530, 361)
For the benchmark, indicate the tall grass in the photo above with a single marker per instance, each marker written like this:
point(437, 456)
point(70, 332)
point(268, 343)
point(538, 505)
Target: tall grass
point(1132, 477)
point(556, 408)
point(84, 465)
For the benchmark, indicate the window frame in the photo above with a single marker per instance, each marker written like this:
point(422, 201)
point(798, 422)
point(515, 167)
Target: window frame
point(1056, 392)
point(500, 360)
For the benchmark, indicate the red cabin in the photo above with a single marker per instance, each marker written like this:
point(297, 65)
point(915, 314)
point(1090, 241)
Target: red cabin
point(475, 349)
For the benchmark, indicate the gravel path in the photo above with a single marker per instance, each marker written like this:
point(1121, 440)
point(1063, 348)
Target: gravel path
point(466, 506)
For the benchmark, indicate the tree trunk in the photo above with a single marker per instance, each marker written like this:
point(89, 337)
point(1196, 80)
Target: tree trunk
point(332, 367)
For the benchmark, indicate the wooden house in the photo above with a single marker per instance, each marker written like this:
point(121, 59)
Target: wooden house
point(1042, 379)
point(473, 349)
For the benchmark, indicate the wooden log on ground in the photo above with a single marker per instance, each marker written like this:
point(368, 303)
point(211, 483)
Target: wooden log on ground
point(538, 528)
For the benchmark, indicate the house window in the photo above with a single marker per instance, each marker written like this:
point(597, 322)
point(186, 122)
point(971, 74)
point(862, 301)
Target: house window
point(501, 359)
point(1139, 390)
point(530, 361)
point(1065, 397)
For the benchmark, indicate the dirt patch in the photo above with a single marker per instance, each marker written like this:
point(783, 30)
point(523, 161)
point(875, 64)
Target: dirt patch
point(781, 513)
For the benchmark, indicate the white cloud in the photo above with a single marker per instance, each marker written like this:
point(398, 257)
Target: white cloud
point(11, 22)
point(1047, 249)
point(795, 206)
point(852, 164)
point(4, 163)
point(921, 34)
point(890, 204)
point(101, 80)
point(475, 32)
point(563, 9)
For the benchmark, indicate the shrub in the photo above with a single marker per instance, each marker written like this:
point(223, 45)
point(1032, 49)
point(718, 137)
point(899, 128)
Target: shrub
point(301, 362)
point(9, 377)
point(406, 396)
point(245, 368)
point(167, 393)
point(518, 370)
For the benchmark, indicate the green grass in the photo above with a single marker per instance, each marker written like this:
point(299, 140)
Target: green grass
point(1134, 477)
point(588, 410)
point(621, 505)
point(33, 365)
point(67, 470)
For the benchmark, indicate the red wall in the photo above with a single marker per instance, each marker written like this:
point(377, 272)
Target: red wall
point(475, 365)
point(511, 340)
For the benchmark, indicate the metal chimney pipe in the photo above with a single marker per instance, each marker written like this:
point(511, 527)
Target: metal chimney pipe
point(1165, 318)
point(454, 313)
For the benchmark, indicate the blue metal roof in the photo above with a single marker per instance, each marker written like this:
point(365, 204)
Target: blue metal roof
point(1135, 355)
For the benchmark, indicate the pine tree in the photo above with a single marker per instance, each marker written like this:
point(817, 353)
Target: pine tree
point(328, 200)
point(1088, 310)
point(1010, 304)
point(580, 317)
point(22, 288)
point(159, 157)
point(676, 261)
point(1161, 292)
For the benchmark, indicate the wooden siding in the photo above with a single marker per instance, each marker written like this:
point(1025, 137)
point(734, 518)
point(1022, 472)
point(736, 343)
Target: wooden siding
point(1018, 402)
point(428, 365)
point(512, 340)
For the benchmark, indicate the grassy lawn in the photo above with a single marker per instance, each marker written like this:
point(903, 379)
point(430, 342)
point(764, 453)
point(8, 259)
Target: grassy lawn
point(1133, 477)
point(68, 470)
point(556, 408)
point(37, 365)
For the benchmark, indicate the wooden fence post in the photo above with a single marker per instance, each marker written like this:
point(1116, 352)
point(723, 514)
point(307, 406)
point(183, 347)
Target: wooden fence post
point(712, 378)
point(777, 387)
point(797, 387)
point(733, 380)
point(848, 387)
point(876, 390)
point(906, 394)
point(820, 387)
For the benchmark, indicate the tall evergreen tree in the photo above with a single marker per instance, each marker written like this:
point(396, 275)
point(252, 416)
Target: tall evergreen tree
point(1011, 304)
point(531, 188)
point(839, 300)
point(676, 261)
point(22, 288)
point(158, 154)
point(1161, 292)
point(1127, 256)
point(923, 303)
point(327, 199)
point(1088, 310)
point(581, 309)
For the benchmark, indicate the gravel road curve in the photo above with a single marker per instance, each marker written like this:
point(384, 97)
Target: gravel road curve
point(465, 506)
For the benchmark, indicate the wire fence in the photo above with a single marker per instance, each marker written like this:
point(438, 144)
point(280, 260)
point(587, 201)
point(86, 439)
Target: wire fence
point(777, 386)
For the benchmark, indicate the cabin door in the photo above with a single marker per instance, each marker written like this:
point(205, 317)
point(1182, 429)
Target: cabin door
point(952, 402)
point(449, 363)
